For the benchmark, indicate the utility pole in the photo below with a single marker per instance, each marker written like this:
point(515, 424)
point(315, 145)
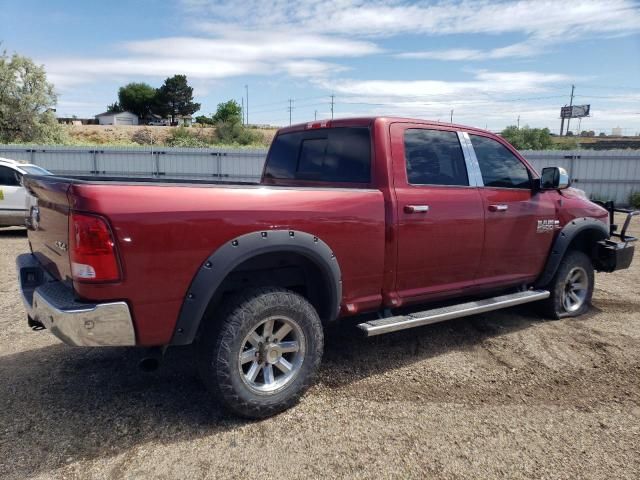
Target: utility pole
point(242, 107)
point(290, 109)
point(518, 122)
point(451, 116)
point(246, 87)
point(315, 114)
point(570, 110)
point(332, 106)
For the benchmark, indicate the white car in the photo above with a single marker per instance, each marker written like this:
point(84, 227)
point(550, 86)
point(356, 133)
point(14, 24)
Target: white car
point(15, 202)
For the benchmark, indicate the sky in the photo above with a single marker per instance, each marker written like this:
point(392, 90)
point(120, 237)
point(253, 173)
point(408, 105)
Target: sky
point(490, 62)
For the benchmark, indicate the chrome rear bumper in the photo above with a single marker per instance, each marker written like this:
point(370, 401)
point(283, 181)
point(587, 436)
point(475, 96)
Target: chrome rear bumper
point(52, 304)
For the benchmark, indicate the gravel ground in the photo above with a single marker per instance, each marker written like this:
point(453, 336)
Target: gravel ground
point(505, 394)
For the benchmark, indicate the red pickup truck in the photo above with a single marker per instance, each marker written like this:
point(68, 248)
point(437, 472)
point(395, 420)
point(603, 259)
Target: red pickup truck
point(373, 217)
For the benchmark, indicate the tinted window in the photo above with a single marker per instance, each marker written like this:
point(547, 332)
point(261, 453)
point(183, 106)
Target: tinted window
point(9, 177)
point(341, 155)
point(434, 157)
point(499, 167)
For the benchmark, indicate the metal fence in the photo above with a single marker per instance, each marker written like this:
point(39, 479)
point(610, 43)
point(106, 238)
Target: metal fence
point(197, 163)
point(605, 175)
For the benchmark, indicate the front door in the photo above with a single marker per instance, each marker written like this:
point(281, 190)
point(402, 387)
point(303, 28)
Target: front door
point(519, 225)
point(439, 210)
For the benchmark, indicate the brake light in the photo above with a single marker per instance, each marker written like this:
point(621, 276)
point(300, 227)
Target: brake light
point(318, 124)
point(92, 249)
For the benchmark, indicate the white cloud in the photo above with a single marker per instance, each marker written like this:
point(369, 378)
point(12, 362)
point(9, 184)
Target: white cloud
point(243, 53)
point(449, 54)
point(521, 49)
point(383, 18)
point(482, 83)
point(541, 22)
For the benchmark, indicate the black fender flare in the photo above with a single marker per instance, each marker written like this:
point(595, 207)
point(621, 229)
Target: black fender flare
point(226, 258)
point(562, 242)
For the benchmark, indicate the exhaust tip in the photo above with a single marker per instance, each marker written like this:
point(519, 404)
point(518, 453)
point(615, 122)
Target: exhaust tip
point(149, 364)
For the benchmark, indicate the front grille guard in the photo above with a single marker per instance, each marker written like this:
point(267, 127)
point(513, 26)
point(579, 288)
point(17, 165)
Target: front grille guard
point(613, 227)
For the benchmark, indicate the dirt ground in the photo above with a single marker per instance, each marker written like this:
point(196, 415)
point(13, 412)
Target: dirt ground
point(500, 395)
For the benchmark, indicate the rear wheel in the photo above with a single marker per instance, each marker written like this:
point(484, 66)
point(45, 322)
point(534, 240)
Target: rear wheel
point(263, 354)
point(571, 288)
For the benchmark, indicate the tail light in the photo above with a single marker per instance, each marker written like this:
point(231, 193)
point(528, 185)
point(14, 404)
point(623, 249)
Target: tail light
point(92, 249)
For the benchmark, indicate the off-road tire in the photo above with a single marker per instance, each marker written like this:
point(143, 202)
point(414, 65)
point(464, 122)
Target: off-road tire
point(554, 307)
point(222, 339)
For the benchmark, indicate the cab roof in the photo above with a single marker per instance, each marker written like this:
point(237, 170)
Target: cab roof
point(368, 121)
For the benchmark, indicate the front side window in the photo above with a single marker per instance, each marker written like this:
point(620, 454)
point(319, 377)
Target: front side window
point(9, 177)
point(338, 155)
point(499, 167)
point(434, 157)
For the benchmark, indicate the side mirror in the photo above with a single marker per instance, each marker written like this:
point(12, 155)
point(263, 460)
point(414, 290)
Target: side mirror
point(554, 178)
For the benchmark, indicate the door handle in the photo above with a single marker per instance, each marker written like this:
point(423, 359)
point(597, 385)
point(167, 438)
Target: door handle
point(416, 208)
point(498, 208)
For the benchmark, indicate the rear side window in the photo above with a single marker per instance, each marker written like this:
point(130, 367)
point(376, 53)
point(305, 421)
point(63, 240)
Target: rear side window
point(499, 167)
point(434, 157)
point(339, 155)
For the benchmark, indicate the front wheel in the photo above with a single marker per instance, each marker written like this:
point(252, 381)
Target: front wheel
point(571, 288)
point(264, 352)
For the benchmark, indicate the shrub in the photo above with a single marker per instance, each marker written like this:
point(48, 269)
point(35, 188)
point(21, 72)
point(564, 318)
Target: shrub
point(526, 138)
point(232, 133)
point(634, 200)
point(182, 137)
point(144, 136)
point(204, 120)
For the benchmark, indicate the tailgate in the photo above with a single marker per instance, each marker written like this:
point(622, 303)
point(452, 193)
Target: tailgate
point(49, 223)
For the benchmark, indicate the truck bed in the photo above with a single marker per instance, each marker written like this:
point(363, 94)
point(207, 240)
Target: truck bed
point(165, 230)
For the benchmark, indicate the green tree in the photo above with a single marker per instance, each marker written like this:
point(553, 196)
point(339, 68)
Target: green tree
point(526, 138)
point(204, 120)
point(175, 97)
point(26, 102)
point(229, 111)
point(114, 107)
point(138, 98)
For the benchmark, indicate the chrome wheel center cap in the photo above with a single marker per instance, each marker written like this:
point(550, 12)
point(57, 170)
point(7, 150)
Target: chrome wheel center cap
point(273, 354)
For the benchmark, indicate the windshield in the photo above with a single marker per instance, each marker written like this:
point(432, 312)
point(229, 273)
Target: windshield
point(34, 170)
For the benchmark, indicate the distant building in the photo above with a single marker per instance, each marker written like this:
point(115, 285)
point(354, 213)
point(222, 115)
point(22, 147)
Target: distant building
point(184, 120)
point(77, 121)
point(179, 120)
point(616, 132)
point(122, 118)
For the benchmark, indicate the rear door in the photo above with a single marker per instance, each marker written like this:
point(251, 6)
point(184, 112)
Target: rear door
point(439, 210)
point(515, 248)
point(12, 195)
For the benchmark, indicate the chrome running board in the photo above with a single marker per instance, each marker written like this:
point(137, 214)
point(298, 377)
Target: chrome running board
point(427, 317)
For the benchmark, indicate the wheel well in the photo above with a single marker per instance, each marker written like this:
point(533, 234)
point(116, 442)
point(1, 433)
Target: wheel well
point(586, 241)
point(290, 270)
